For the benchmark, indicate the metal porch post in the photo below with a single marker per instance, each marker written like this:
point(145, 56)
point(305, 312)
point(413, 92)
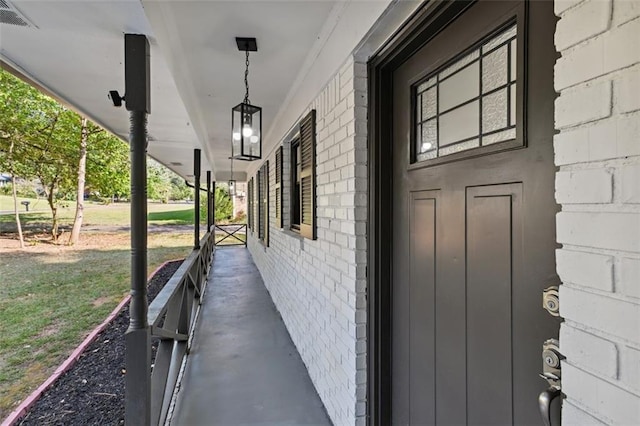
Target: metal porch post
point(213, 206)
point(196, 179)
point(208, 200)
point(138, 337)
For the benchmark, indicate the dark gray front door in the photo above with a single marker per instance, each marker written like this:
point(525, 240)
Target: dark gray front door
point(473, 218)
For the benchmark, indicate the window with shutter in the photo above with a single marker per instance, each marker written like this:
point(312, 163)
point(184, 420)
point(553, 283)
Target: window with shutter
point(264, 201)
point(295, 184)
point(278, 188)
point(308, 176)
point(250, 204)
point(259, 205)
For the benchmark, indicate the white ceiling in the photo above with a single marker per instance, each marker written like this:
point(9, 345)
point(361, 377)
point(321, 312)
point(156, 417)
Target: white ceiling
point(76, 52)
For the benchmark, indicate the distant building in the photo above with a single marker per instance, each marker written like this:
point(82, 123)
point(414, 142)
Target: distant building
point(5, 179)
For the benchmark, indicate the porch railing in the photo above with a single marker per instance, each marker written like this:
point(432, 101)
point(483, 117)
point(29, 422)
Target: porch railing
point(172, 316)
point(231, 234)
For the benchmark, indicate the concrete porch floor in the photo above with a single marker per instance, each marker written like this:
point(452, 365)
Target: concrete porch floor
point(243, 367)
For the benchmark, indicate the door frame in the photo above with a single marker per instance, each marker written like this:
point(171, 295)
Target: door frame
point(424, 24)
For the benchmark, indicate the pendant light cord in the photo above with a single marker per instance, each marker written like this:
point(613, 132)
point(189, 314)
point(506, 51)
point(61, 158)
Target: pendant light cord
point(246, 80)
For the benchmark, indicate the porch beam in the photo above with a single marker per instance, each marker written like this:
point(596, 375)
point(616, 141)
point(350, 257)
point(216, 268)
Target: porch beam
point(138, 336)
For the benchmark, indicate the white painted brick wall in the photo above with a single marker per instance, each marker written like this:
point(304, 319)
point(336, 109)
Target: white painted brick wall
point(584, 186)
point(586, 269)
point(597, 150)
point(587, 20)
point(319, 286)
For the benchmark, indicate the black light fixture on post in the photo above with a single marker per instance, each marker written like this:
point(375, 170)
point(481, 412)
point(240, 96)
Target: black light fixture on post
point(246, 119)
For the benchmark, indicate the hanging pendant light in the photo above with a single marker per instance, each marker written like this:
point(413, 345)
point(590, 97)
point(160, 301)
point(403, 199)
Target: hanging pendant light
point(246, 119)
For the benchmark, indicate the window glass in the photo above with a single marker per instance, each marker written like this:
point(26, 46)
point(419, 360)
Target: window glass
point(295, 184)
point(470, 102)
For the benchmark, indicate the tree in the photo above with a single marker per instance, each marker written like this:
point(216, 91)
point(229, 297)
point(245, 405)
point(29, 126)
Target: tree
point(107, 165)
point(223, 204)
point(158, 181)
point(38, 126)
point(15, 196)
point(54, 166)
point(179, 189)
point(47, 141)
point(82, 169)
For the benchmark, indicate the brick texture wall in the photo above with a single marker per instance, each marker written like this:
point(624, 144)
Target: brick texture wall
point(319, 286)
point(597, 149)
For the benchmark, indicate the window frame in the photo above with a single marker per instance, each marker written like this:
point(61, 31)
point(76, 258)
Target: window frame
point(303, 178)
point(295, 184)
point(250, 204)
point(278, 186)
point(518, 18)
point(265, 204)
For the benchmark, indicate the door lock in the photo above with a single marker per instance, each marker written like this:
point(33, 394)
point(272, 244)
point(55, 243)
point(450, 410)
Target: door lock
point(551, 300)
point(551, 358)
point(551, 364)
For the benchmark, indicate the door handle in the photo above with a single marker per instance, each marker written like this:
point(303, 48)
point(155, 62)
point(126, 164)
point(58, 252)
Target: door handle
point(544, 402)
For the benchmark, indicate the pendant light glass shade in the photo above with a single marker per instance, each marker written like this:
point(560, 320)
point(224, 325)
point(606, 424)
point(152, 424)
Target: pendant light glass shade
point(246, 128)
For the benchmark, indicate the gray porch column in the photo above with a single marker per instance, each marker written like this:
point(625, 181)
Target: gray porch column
point(208, 200)
point(196, 181)
point(137, 337)
point(213, 205)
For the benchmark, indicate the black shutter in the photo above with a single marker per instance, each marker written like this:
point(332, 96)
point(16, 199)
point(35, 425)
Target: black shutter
point(259, 205)
point(265, 203)
point(278, 187)
point(308, 176)
point(250, 204)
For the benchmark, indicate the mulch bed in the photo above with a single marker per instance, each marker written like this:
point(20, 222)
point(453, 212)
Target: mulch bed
point(91, 392)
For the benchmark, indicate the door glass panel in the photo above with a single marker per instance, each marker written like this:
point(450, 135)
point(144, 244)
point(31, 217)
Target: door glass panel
point(514, 60)
point(459, 88)
point(470, 102)
point(429, 83)
point(513, 105)
point(508, 34)
point(501, 136)
point(429, 100)
point(429, 136)
point(459, 64)
point(494, 111)
point(459, 124)
point(463, 146)
point(494, 69)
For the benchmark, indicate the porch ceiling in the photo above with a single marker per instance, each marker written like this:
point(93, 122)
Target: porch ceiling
point(75, 50)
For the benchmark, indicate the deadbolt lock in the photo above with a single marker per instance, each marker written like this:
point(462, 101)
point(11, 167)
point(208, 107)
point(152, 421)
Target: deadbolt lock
point(551, 363)
point(551, 358)
point(551, 300)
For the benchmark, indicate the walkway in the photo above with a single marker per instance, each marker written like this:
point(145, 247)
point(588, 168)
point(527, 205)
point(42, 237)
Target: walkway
point(243, 367)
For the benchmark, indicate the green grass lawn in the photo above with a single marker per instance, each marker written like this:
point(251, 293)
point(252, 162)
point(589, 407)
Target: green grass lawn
point(95, 214)
point(52, 296)
point(6, 203)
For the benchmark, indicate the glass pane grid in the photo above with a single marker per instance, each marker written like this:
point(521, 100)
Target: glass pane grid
point(476, 107)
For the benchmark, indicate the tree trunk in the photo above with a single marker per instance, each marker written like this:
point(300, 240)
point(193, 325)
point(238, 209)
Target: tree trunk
point(54, 212)
point(77, 222)
point(15, 196)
